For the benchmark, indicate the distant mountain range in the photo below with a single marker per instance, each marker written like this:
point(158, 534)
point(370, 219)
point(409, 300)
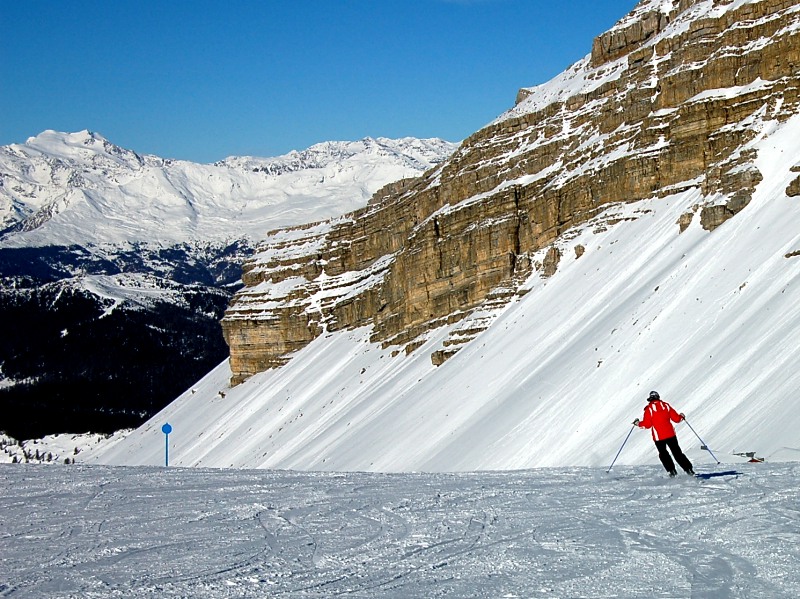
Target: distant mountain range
point(116, 267)
point(80, 189)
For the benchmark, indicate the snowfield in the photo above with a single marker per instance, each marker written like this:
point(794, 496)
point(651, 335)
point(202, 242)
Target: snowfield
point(95, 531)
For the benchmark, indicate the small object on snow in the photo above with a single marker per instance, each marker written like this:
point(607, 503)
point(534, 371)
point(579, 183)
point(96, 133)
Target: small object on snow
point(753, 459)
point(166, 429)
point(707, 475)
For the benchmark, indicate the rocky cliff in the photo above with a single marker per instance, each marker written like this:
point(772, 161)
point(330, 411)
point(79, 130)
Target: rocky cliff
point(674, 97)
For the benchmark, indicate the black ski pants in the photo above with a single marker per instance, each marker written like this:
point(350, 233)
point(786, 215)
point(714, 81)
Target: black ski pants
point(666, 459)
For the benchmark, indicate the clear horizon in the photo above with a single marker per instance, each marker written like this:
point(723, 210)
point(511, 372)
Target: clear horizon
point(202, 81)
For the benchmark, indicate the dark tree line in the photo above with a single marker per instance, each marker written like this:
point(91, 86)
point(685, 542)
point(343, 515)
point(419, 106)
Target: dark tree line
point(83, 373)
point(78, 366)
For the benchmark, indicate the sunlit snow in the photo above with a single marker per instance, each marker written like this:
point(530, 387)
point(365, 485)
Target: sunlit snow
point(98, 532)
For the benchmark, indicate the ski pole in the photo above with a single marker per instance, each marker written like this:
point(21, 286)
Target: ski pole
point(704, 446)
point(620, 449)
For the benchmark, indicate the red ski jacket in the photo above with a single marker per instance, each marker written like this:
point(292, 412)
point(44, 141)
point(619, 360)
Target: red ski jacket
point(659, 416)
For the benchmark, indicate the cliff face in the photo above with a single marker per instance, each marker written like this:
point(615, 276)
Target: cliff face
point(673, 97)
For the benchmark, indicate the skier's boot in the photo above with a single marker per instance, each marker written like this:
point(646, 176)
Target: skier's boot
point(690, 472)
point(673, 473)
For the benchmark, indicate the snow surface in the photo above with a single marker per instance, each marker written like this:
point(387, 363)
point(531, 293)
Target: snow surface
point(131, 289)
point(90, 532)
point(79, 188)
point(56, 449)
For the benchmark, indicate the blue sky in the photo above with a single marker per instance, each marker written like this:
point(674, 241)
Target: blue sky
point(202, 80)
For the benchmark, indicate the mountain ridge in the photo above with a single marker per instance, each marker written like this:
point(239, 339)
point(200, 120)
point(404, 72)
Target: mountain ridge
point(56, 183)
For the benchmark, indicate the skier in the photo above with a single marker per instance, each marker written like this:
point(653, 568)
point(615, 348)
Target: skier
point(659, 416)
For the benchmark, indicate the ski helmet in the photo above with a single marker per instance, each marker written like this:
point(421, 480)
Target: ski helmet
point(653, 396)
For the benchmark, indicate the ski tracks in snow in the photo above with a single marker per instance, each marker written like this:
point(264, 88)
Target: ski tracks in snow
point(697, 545)
point(152, 532)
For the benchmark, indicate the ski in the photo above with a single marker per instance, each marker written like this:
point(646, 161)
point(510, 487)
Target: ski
point(707, 475)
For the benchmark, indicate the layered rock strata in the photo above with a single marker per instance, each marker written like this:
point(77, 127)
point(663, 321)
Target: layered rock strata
point(673, 97)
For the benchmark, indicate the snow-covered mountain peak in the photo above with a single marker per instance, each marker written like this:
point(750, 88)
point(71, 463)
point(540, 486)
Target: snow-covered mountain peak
point(50, 140)
point(76, 148)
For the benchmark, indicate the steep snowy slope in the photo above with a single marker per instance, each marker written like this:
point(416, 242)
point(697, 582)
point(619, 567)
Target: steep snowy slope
point(709, 320)
point(79, 189)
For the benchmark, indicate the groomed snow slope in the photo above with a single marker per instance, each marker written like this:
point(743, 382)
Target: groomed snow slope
point(709, 320)
point(98, 532)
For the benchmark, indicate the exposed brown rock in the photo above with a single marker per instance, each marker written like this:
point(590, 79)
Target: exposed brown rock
point(685, 220)
point(550, 262)
point(794, 188)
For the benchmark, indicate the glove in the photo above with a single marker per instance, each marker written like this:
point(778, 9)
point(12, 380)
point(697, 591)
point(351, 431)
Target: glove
point(636, 422)
point(683, 416)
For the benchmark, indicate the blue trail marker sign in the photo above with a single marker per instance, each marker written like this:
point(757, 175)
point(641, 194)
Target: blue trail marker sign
point(166, 429)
